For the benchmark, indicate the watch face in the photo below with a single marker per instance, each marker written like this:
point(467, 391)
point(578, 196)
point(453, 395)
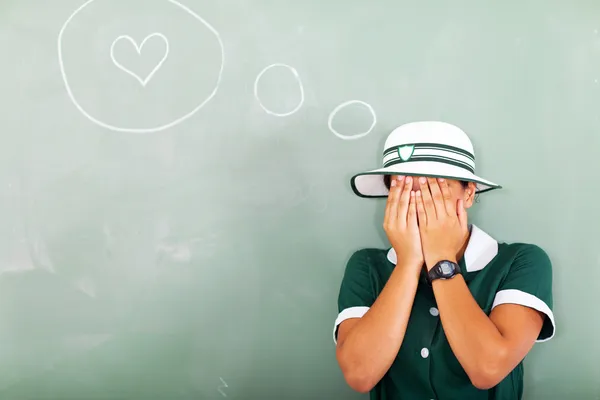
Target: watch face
point(446, 268)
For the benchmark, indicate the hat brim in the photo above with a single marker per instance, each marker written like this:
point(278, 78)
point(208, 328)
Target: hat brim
point(370, 184)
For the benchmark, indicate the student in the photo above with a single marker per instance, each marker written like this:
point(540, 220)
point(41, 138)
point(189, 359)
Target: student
point(447, 312)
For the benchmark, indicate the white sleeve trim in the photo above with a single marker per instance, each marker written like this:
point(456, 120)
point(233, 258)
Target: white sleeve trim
point(514, 296)
point(352, 312)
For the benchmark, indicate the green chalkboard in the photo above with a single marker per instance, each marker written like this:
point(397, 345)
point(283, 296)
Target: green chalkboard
point(175, 207)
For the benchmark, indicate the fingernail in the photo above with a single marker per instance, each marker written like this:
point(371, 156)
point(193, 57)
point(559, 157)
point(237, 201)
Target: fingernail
point(418, 192)
point(393, 182)
point(400, 178)
point(422, 180)
point(441, 179)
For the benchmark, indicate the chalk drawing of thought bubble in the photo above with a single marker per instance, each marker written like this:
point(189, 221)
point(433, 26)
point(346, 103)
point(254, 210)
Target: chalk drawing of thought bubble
point(145, 80)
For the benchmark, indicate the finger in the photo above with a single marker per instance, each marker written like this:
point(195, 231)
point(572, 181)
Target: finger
point(462, 214)
point(411, 217)
point(421, 213)
point(404, 199)
point(427, 200)
point(436, 196)
point(396, 188)
point(447, 196)
point(388, 204)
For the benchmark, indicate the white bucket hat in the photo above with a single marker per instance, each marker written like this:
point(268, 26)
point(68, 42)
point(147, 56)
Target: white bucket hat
point(425, 148)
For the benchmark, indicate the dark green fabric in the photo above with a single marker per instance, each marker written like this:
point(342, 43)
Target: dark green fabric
point(523, 271)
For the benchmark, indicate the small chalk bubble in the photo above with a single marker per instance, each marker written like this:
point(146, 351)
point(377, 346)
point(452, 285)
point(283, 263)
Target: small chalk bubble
point(595, 31)
point(356, 135)
point(596, 80)
point(295, 76)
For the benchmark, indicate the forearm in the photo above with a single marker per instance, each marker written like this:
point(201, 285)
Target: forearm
point(473, 337)
point(373, 342)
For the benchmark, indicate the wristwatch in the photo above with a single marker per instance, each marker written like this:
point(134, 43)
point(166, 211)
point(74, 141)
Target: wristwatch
point(444, 269)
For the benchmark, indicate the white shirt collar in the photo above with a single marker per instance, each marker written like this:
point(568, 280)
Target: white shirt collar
point(481, 249)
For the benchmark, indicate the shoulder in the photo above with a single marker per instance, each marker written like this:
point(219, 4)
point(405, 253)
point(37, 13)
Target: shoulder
point(368, 265)
point(365, 255)
point(527, 281)
point(368, 260)
point(525, 255)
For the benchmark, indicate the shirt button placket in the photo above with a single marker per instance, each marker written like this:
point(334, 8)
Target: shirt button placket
point(425, 351)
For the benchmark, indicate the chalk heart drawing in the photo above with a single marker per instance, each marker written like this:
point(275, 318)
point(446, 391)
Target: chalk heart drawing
point(138, 49)
point(129, 129)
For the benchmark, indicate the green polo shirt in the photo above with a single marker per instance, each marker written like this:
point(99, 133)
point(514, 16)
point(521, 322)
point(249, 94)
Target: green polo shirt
point(426, 368)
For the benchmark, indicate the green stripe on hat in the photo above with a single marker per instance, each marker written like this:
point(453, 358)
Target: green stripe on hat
point(445, 160)
point(431, 146)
